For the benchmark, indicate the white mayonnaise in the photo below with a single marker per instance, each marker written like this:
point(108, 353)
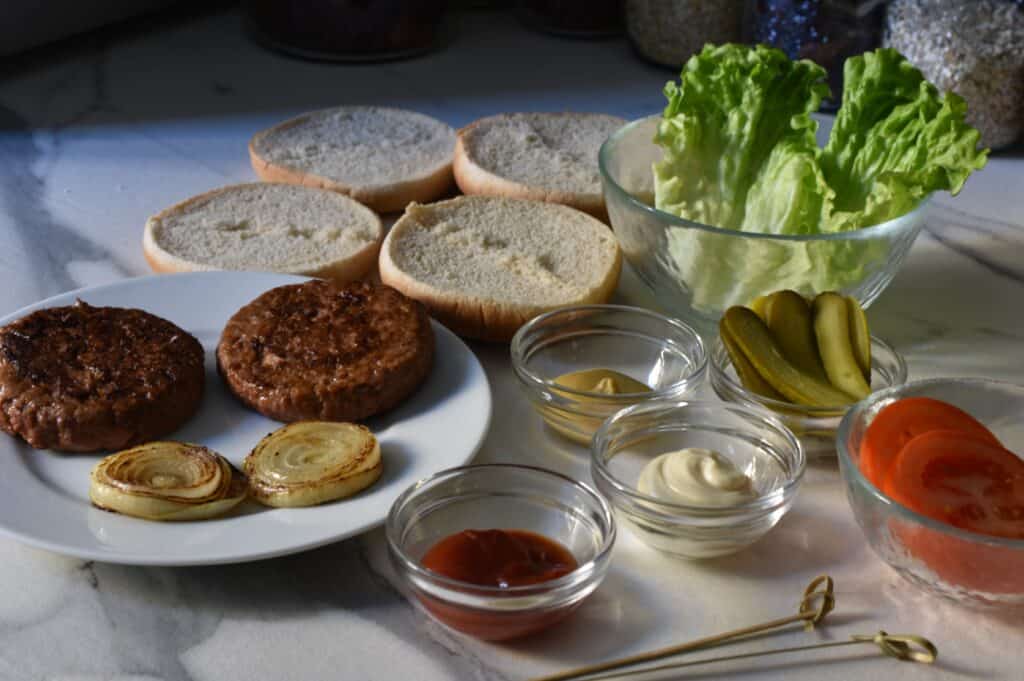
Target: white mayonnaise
point(696, 477)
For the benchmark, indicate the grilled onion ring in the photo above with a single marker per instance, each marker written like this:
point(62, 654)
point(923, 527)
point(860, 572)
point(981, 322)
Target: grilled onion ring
point(310, 462)
point(166, 481)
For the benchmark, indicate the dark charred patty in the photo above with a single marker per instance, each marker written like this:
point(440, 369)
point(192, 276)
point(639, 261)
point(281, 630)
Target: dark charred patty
point(319, 350)
point(86, 379)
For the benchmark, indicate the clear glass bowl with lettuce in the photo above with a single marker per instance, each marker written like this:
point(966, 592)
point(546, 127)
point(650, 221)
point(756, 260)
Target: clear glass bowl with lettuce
point(727, 195)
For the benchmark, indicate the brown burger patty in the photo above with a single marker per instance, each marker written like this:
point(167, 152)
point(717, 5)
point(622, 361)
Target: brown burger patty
point(85, 379)
point(320, 350)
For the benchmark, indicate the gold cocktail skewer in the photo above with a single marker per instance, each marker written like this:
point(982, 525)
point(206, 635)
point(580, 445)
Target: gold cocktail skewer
point(907, 647)
point(818, 601)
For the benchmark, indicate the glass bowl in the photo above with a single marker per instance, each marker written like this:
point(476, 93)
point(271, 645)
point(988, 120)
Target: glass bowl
point(500, 496)
point(815, 427)
point(697, 271)
point(970, 568)
point(663, 353)
point(756, 442)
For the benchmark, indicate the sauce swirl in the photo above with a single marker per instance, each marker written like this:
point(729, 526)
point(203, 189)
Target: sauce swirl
point(697, 477)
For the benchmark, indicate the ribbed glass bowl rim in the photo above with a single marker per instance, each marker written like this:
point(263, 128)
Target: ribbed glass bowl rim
point(572, 581)
point(672, 511)
point(857, 478)
point(719, 373)
point(559, 396)
point(882, 229)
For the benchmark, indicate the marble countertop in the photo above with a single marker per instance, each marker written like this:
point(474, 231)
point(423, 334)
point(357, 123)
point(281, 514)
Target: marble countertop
point(98, 134)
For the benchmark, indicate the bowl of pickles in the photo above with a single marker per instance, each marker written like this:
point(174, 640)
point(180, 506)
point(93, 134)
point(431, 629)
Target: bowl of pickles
point(806, 360)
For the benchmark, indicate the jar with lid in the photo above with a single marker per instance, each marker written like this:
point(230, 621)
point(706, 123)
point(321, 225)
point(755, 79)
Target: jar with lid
point(824, 31)
point(346, 30)
point(669, 32)
point(974, 48)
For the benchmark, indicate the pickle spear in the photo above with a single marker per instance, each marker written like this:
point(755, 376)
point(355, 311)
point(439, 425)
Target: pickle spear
point(860, 337)
point(760, 306)
point(832, 328)
point(746, 372)
point(789, 320)
point(755, 341)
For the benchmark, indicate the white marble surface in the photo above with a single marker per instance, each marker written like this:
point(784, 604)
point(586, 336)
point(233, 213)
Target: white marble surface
point(100, 134)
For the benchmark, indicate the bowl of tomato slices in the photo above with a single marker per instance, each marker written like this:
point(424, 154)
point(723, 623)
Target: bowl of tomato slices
point(934, 472)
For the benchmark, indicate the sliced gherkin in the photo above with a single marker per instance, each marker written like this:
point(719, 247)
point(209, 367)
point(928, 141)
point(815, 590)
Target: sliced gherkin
point(760, 307)
point(746, 372)
point(860, 337)
point(789, 319)
point(832, 329)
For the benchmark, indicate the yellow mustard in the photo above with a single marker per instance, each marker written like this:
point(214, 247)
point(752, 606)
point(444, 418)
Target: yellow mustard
point(603, 381)
point(598, 381)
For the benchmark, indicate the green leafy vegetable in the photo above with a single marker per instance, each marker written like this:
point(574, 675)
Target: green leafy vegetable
point(894, 142)
point(739, 153)
point(740, 120)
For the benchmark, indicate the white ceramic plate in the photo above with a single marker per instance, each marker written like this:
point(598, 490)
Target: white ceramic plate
point(44, 495)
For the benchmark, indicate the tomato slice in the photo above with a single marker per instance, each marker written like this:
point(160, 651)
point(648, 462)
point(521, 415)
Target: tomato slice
point(962, 479)
point(963, 563)
point(902, 421)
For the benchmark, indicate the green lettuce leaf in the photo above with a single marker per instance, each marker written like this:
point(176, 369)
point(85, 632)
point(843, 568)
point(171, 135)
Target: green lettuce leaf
point(739, 152)
point(789, 194)
point(895, 141)
point(739, 120)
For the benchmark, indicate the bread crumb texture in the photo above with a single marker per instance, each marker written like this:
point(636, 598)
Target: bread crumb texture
point(266, 226)
point(504, 250)
point(550, 151)
point(359, 145)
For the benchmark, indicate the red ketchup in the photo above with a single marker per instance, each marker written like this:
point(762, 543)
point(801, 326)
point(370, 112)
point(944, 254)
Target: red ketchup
point(497, 558)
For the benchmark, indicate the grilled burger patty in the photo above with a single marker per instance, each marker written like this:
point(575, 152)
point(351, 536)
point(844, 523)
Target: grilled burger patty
point(85, 379)
point(324, 351)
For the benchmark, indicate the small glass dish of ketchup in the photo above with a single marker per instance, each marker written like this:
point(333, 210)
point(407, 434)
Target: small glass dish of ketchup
point(500, 551)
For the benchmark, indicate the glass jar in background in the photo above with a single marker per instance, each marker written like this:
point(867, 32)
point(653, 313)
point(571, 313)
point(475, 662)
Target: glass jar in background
point(974, 48)
point(573, 18)
point(669, 32)
point(347, 30)
point(824, 31)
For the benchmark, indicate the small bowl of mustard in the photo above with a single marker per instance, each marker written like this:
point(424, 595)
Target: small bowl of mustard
point(697, 479)
point(579, 365)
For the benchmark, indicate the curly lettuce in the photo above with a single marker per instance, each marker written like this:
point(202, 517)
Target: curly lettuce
point(739, 120)
point(739, 152)
point(895, 141)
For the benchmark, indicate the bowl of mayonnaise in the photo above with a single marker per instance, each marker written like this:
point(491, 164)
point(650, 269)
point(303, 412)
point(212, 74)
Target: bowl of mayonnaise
point(697, 479)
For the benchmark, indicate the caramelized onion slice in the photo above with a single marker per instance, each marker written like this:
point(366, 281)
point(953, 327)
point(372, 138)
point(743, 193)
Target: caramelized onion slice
point(167, 481)
point(310, 462)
